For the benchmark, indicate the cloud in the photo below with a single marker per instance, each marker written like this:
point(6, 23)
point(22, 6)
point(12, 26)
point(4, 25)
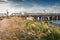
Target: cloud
point(13, 7)
point(41, 9)
point(4, 0)
point(7, 6)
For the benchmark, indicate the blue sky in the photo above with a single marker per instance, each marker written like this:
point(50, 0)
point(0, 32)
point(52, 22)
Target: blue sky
point(30, 5)
point(42, 2)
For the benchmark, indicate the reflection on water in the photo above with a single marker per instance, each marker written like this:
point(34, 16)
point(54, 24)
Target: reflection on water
point(56, 22)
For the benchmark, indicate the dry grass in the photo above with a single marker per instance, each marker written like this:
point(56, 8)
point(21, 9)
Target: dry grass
point(16, 28)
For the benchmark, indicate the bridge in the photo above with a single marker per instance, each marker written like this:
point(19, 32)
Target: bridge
point(37, 16)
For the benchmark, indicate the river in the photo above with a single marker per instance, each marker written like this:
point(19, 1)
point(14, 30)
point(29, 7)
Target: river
point(56, 22)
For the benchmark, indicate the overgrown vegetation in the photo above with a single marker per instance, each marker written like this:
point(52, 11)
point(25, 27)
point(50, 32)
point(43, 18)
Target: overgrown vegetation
point(22, 29)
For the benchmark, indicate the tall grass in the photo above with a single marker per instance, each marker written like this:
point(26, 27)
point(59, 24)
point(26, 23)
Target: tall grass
point(23, 29)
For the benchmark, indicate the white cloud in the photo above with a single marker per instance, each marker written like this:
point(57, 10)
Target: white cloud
point(4, 0)
point(40, 9)
point(35, 9)
point(7, 6)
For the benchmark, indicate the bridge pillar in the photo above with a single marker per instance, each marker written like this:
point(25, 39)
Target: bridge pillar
point(57, 18)
point(41, 18)
point(48, 17)
point(38, 18)
point(53, 17)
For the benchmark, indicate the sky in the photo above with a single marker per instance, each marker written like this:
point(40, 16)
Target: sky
point(31, 6)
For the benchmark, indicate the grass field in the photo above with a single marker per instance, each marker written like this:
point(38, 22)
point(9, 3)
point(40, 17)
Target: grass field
point(16, 28)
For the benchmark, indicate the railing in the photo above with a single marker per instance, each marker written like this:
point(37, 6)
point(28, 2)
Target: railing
point(30, 14)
